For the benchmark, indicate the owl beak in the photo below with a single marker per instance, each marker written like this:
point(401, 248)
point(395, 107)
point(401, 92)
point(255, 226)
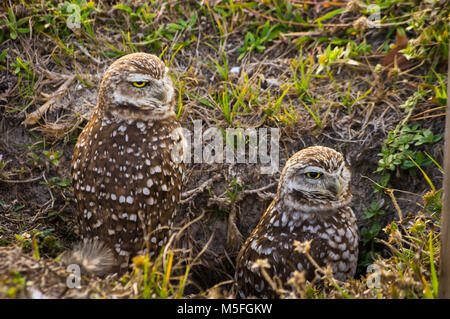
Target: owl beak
point(336, 187)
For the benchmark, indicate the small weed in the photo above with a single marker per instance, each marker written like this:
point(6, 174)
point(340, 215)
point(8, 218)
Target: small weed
point(302, 81)
point(22, 68)
point(431, 42)
point(399, 151)
point(255, 41)
point(3, 55)
point(235, 189)
point(78, 11)
point(222, 70)
point(183, 24)
point(371, 232)
point(16, 285)
point(337, 55)
point(314, 112)
point(289, 116)
point(3, 163)
point(433, 203)
point(414, 247)
point(156, 279)
point(40, 243)
point(34, 160)
point(275, 104)
point(440, 94)
point(412, 101)
point(143, 13)
point(53, 156)
point(16, 27)
point(57, 182)
point(328, 15)
point(26, 80)
point(230, 103)
point(180, 106)
point(346, 99)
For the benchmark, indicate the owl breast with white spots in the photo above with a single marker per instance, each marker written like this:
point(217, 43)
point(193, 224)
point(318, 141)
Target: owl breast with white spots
point(312, 203)
point(126, 168)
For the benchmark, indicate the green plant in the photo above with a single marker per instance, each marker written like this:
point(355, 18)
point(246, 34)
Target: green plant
point(369, 233)
point(301, 81)
point(53, 156)
point(235, 189)
point(329, 15)
point(433, 203)
point(346, 99)
point(289, 116)
point(15, 27)
point(23, 69)
point(78, 11)
point(273, 105)
point(440, 94)
point(3, 55)
point(314, 112)
point(57, 182)
point(26, 80)
point(255, 41)
point(412, 100)
point(230, 102)
point(337, 55)
point(222, 70)
point(39, 242)
point(183, 24)
point(414, 259)
point(156, 279)
point(223, 100)
point(286, 11)
point(3, 163)
point(431, 37)
point(400, 151)
point(143, 12)
point(16, 284)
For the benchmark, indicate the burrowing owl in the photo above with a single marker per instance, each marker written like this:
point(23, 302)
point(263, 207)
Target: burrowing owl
point(126, 167)
point(312, 203)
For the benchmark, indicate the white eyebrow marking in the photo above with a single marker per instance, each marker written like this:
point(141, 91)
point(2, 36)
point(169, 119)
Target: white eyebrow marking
point(313, 169)
point(139, 78)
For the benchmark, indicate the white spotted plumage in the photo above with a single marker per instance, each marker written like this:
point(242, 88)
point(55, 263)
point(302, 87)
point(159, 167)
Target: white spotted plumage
point(122, 168)
point(312, 203)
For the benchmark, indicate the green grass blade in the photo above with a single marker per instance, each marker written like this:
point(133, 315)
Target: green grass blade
point(434, 277)
point(423, 173)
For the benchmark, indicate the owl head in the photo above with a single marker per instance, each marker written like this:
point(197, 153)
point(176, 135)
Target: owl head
point(137, 86)
point(316, 179)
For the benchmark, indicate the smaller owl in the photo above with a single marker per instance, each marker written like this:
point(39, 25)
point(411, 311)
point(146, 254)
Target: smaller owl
point(312, 203)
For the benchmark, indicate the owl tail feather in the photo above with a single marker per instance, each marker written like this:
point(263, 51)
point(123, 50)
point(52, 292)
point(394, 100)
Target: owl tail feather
point(92, 256)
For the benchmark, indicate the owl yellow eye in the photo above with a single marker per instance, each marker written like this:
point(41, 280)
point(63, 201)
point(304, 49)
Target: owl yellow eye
point(313, 175)
point(139, 84)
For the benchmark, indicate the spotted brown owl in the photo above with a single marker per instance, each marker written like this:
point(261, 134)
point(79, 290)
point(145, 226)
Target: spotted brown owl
point(127, 164)
point(312, 203)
